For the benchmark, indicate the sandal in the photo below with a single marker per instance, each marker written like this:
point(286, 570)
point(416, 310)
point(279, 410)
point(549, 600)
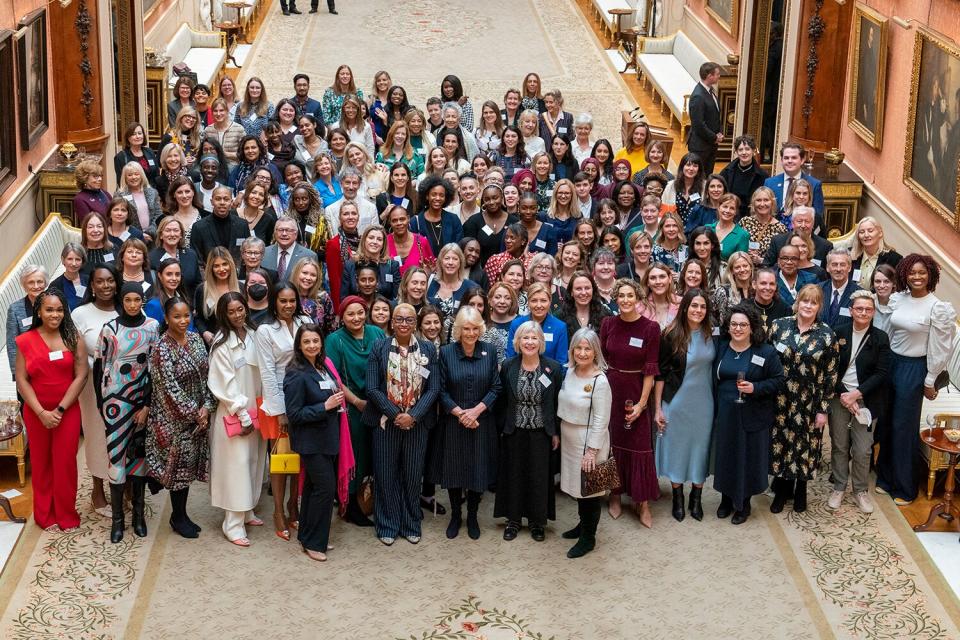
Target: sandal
point(241, 542)
point(281, 531)
point(255, 522)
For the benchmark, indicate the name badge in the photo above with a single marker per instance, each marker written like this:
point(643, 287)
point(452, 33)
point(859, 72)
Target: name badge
point(128, 197)
point(540, 244)
point(144, 285)
point(456, 304)
point(757, 360)
point(695, 197)
point(816, 262)
point(550, 191)
point(754, 246)
point(108, 257)
point(636, 342)
point(544, 379)
point(487, 229)
point(327, 384)
point(421, 151)
point(26, 322)
point(503, 117)
point(388, 277)
point(845, 311)
point(856, 274)
point(80, 289)
point(561, 129)
point(167, 256)
point(150, 162)
point(405, 203)
point(548, 337)
point(240, 363)
point(125, 236)
point(240, 241)
point(716, 331)
point(310, 228)
point(424, 373)
point(252, 117)
point(781, 347)
point(56, 355)
point(552, 177)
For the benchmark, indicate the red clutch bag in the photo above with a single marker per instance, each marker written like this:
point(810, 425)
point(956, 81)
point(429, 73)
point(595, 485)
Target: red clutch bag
point(233, 426)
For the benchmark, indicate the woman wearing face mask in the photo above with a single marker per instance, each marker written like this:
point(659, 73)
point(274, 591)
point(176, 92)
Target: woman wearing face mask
point(99, 306)
point(258, 292)
point(582, 306)
point(177, 446)
point(123, 392)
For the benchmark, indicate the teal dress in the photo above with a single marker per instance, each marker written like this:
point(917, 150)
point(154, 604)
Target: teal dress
point(349, 355)
point(737, 240)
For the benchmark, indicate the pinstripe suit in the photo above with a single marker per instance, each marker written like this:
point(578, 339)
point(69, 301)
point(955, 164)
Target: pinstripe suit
point(398, 454)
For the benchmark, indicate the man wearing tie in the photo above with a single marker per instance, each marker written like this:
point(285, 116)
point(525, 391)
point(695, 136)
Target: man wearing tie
point(836, 291)
point(706, 129)
point(285, 253)
point(792, 155)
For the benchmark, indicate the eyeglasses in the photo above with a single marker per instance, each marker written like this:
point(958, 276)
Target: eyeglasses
point(253, 254)
point(402, 320)
point(788, 259)
point(739, 325)
point(543, 267)
point(285, 231)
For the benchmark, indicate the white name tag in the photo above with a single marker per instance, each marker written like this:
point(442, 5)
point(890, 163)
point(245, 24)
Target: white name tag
point(694, 197)
point(150, 162)
point(781, 347)
point(552, 178)
point(108, 257)
point(487, 229)
point(26, 322)
point(456, 304)
point(503, 117)
point(240, 241)
point(124, 236)
point(548, 337)
point(421, 151)
point(550, 191)
point(716, 331)
point(754, 246)
point(399, 259)
point(80, 289)
point(845, 311)
point(424, 373)
point(636, 342)
point(144, 285)
point(757, 360)
point(166, 256)
point(856, 274)
point(816, 262)
point(561, 129)
point(327, 384)
point(239, 363)
point(388, 277)
point(252, 117)
point(310, 228)
point(540, 244)
point(128, 197)
point(56, 355)
point(405, 203)
point(544, 379)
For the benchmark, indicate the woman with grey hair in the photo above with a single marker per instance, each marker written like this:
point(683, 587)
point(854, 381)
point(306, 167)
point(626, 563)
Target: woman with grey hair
point(584, 413)
point(34, 279)
point(452, 114)
point(73, 283)
point(581, 146)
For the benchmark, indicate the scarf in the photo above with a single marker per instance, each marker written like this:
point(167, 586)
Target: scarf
point(404, 382)
point(348, 246)
point(597, 190)
point(346, 464)
point(126, 319)
point(245, 170)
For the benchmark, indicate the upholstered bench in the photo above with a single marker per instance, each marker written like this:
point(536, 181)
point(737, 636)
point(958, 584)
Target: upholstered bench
point(203, 51)
point(609, 21)
point(672, 66)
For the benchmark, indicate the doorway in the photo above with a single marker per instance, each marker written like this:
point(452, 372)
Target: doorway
point(764, 78)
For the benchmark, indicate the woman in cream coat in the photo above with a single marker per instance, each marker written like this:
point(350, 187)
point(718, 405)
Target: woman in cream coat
point(237, 463)
point(584, 411)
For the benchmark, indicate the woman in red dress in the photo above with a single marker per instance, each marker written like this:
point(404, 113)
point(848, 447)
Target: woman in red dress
point(51, 369)
point(631, 346)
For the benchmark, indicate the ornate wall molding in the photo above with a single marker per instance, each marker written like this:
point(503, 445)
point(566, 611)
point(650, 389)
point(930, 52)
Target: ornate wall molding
point(815, 28)
point(82, 24)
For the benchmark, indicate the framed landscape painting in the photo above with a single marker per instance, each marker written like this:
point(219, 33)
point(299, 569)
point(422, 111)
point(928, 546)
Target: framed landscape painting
point(727, 13)
point(932, 155)
point(32, 78)
point(868, 76)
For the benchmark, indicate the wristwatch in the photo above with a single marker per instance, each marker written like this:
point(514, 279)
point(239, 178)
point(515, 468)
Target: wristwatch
point(61, 410)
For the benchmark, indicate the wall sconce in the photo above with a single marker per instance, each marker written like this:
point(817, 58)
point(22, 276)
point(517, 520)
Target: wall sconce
point(904, 23)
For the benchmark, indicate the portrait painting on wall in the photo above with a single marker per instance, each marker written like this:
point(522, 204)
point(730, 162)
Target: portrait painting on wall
point(725, 12)
point(32, 78)
point(868, 75)
point(8, 130)
point(932, 154)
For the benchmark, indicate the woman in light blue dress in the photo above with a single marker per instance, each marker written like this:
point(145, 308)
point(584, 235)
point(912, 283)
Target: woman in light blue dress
point(684, 401)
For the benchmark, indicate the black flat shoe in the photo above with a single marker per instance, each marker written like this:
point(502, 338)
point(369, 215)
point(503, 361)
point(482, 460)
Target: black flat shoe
point(453, 529)
point(725, 508)
point(285, 12)
point(779, 501)
point(538, 534)
point(510, 533)
point(334, 12)
point(295, 11)
point(184, 529)
point(740, 517)
point(312, 11)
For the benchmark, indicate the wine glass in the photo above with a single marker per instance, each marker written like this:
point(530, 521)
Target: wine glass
point(741, 376)
point(931, 423)
point(627, 408)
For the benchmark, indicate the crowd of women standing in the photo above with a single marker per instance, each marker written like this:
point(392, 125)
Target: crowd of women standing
point(413, 299)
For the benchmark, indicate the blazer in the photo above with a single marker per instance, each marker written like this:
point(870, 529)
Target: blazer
point(564, 126)
point(388, 282)
point(803, 278)
point(507, 402)
point(312, 106)
point(313, 428)
point(890, 257)
point(379, 405)
point(297, 253)
point(70, 291)
point(776, 183)
point(821, 247)
point(760, 407)
point(124, 156)
point(18, 321)
point(872, 364)
point(743, 183)
point(554, 331)
point(673, 366)
point(704, 120)
point(154, 206)
point(204, 236)
point(190, 275)
point(840, 318)
point(451, 229)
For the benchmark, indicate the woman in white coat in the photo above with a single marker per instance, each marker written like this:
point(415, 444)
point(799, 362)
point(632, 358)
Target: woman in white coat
point(584, 411)
point(274, 352)
point(237, 462)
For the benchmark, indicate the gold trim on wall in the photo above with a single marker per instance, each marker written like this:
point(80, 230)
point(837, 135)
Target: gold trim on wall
point(733, 27)
point(950, 48)
point(874, 137)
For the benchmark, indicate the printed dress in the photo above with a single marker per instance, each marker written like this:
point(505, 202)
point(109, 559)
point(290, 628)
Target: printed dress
point(124, 354)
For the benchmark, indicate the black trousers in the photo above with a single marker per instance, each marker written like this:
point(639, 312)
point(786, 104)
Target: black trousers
point(397, 475)
point(316, 503)
point(708, 157)
point(331, 5)
point(524, 481)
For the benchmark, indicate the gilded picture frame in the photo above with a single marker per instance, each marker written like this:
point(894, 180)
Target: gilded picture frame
point(931, 166)
point(726, 13)
point(868, 74)
point(32, 86)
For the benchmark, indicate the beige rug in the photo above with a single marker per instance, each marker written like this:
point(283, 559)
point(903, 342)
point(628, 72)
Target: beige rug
point(491, 45)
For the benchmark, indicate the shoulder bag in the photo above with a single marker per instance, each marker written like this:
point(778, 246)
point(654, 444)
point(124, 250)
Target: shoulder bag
point(605, 475)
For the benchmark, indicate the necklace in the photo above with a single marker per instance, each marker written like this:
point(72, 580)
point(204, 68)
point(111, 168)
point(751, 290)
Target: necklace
point(739, 353)
point(605, 291)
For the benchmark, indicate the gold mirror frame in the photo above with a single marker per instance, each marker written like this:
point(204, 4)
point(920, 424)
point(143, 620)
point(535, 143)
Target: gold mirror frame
point(732, 27)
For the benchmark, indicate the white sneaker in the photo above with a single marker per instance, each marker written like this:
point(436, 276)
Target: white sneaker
point(836, 498)
point(863, 501)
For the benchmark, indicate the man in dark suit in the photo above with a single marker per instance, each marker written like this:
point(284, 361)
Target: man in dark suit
point(223, 228)
point(706, 129)
point(302, 100)
point(792, 155)
point(281, 257)
point(835, 310)
point(803, 224)
point(862, 378)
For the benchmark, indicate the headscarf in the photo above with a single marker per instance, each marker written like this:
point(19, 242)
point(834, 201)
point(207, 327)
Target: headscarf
point(126, 319)
point(520, 175)
point(349, 300)
point(597, 190)
point(623, 161)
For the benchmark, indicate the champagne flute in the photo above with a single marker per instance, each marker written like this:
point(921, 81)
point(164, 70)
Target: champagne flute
point(627, 408)
point(931, 423)
point(741, 376)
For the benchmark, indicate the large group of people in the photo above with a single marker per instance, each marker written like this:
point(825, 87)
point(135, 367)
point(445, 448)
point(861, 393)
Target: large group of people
point(484, 300)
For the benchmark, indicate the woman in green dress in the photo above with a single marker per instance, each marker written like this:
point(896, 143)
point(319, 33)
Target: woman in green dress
point(349, 349)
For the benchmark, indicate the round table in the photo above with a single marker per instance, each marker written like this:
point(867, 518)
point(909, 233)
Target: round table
point(231, 30)
point(945, 508)
point(10, 431)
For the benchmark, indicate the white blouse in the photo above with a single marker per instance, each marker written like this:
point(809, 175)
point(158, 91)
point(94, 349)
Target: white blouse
point(923, 327)
point(574, 405)
point(274, 352)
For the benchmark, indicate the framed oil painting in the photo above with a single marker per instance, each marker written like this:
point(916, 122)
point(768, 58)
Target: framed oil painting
point(932, 154)
point(725, 12)
point(32, 86)
point(8, 129)
point(868, 75)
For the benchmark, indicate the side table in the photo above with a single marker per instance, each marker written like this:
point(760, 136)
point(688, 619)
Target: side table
point(946, 509)
point(230, 32)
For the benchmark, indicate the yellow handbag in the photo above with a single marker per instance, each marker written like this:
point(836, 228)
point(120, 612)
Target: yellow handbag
point(282, 458)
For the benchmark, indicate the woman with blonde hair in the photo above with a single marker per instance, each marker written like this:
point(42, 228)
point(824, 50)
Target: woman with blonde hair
point(739, 278)
point(219, 278)
point(225, 131)
point(314, 301)
point(447, 288)
point(563, 212)
point(530, 129)
point(372, 179)
point(134, 187)
point(173, 165)
point(255, 110)
point(869, 249)
point(343, 87)
point(186, 133)
point(397, 148)
point(661, 302)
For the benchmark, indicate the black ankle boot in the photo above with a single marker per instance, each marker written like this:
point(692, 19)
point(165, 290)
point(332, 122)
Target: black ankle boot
point(138, 521)
point(725, 508)
point(588, 536)
point(696, 506)
point(741, 516)
point(473, 525)
point(780, 495)
point(178, 519)
point(800, 497)
point(116, 509)
point(456, 503)
point(678, 513)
